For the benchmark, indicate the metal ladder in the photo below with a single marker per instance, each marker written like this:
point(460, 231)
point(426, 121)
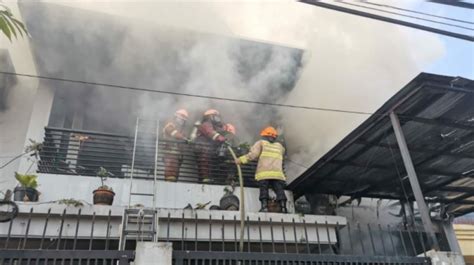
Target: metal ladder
point(138, 222)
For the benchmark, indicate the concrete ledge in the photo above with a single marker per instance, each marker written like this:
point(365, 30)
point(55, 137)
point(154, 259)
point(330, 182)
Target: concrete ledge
point(175, 224)
point(445, 258)
point(153, 253)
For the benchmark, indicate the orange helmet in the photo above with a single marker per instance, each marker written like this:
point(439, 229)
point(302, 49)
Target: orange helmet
point(211, 112)
point(182, 113)
point(269, 131)
point(230, 128)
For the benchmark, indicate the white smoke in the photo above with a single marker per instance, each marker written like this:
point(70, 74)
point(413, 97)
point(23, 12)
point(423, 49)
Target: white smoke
point(349, 63)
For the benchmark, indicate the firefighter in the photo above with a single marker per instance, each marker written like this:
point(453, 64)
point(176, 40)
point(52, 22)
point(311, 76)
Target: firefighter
point(209, 137)
point(269, 171)
point(173, 150)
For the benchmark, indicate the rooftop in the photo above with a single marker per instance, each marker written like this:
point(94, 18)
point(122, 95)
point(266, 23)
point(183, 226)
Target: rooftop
point(437, 117)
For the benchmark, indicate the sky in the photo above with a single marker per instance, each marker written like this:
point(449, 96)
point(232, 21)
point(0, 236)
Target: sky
point(458, 58)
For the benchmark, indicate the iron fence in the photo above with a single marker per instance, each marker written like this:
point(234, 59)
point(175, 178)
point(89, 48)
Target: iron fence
point(290, 237)
point(211, 231)
point(232, 258)
point(76, 152)
point(21, 243)
point(54, 257)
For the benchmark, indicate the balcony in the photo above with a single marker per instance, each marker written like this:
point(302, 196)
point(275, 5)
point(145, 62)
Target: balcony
point(76, 152)
point(70, 159)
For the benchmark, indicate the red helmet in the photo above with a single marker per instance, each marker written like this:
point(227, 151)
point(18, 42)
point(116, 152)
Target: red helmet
point(230, 128)
point(182, 113)
point(211, 112)
point(270, 132)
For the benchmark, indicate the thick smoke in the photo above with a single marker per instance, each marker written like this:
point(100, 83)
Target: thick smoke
point(211, 49)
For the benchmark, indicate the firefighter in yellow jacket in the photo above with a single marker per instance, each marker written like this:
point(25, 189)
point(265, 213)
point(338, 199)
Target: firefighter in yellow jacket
point(269, 168)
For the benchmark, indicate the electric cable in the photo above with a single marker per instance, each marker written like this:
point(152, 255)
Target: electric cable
point(355, 12)
point(417, 12)
point(408, 16)
point(13, 159)
point(193, 95)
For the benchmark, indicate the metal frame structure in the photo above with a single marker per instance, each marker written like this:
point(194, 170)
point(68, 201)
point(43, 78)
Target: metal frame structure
point(416, 147)
point(63, 230)
point(155, 161)
point(223, 258)
point(415, 185)
point(89, 257)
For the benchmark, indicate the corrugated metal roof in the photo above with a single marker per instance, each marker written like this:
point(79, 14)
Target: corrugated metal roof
point(437, 117)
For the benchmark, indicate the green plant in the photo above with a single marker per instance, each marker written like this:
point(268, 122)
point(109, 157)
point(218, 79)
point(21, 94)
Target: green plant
point(71, 202)
point(27, 181)
point(103, 174)
point(34, 148)
point(9, 25)
point(244, 145)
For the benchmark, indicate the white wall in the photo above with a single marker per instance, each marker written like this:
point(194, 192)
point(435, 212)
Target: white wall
point(14, 122)
point(169, 194)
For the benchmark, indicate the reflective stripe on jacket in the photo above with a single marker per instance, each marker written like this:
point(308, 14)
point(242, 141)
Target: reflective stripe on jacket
point(270, 160)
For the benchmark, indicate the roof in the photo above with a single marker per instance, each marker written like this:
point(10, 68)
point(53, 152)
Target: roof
point(437, 117)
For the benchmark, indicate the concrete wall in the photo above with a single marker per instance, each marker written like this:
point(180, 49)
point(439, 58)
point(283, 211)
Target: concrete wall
point(15, 120)
point(169, 194)
point(465, 236)
point(445, 258)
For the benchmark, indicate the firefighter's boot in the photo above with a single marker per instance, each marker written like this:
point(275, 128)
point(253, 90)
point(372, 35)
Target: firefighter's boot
point(283, 208)
point(264, 208)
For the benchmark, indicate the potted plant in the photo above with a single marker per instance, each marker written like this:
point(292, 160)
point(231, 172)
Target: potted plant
point(229, 202)
point(26, 191)
point(104, 195)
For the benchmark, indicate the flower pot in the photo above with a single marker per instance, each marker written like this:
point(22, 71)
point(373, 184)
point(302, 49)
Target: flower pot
point(103, 197)
point(22, 194)
point(273, 206)
point(229, 202)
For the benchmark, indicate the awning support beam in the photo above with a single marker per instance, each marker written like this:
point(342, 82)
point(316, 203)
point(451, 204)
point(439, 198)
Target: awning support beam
point(415, 185)
point(451, 236)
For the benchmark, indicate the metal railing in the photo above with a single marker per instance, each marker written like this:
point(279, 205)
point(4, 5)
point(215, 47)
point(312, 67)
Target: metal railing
point(78, 229)
point(55, 245)
point(76, 152)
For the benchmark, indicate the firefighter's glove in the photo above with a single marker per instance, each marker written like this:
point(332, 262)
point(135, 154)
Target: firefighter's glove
point(237, 161)
point(221, 138)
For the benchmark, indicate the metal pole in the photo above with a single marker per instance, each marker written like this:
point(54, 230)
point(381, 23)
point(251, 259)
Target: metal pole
point(157, 220)
point(451, 236)
point(133, 161)
point(415, 185)
point(156, 162)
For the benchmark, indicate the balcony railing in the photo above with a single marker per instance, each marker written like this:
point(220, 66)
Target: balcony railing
point(77, 152)
point(89, 228)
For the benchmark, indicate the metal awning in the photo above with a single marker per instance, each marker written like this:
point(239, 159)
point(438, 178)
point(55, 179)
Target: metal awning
point(436, 114)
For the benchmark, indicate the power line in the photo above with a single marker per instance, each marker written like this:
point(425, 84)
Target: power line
point(418, 12)
point(408, 16)
point(190, 95)
point(389, 20)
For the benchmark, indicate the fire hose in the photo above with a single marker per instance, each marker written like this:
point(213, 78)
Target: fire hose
point(241, 206)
